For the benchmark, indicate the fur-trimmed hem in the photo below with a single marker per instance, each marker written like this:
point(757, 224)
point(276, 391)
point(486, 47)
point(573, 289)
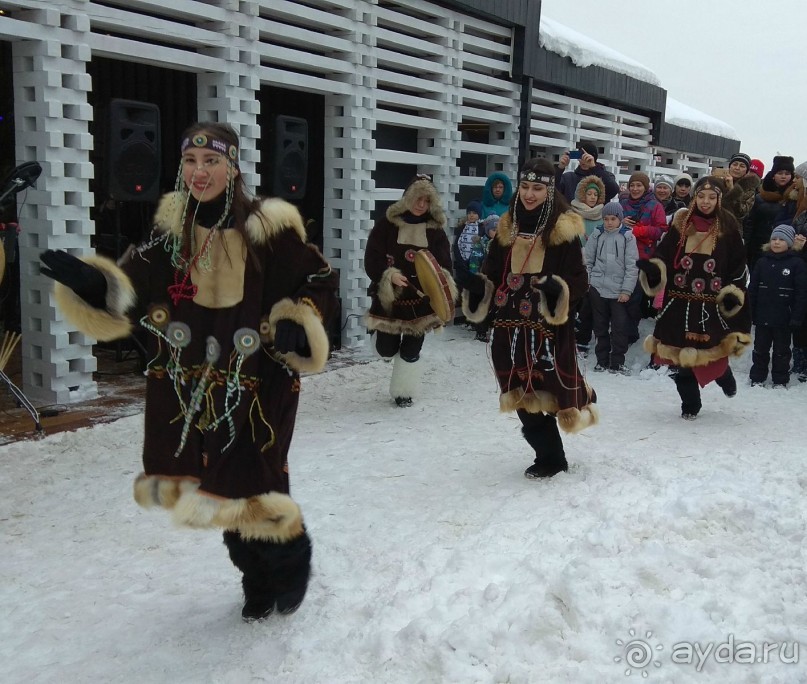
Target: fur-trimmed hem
point(653, 291)
point(387, 292)
point(570, 420)
point(531, 402)
point(484, 306)
point(397, 326)
point(271, 517)
point(273, 216)
point(733, 344)
point(309, 318)
point(573, 420)
point(721, 296)
point(102, 324)
point(561, 313)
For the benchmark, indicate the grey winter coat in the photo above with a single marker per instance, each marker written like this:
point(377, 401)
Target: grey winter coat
point(611, 261)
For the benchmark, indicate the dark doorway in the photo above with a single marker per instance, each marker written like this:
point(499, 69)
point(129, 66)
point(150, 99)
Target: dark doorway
point(174, 93)
point(10, 284)
point(311, 107)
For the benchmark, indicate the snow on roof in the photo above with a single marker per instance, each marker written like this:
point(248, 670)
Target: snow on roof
point(585, 51)
point(679, 114)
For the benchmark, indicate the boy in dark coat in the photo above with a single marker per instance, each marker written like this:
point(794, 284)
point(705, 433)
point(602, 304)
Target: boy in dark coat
point(778, 293)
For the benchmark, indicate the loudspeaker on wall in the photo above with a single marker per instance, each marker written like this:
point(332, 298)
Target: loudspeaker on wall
point(133, 151)
point(290, 157)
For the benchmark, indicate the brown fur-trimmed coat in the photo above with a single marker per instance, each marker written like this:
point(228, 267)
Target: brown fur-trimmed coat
point(390, 249)
point(533, 344)
point(694, 326)
point(215, 481)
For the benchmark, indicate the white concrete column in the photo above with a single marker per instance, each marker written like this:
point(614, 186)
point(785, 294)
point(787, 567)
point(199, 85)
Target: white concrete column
point(52, 127)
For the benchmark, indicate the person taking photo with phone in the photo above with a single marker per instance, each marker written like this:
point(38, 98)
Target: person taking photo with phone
point(588, 165)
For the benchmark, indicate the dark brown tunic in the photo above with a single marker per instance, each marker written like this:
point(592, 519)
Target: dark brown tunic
point(391, 249)
point(693, 327)
point(240, 426)
point(533, 346)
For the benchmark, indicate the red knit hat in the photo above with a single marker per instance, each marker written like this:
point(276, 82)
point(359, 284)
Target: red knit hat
point(757, 167)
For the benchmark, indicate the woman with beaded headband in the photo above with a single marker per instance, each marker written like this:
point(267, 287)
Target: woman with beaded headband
point(704, 319)
point(533, 277)
point(236, 302)
point(399, 312)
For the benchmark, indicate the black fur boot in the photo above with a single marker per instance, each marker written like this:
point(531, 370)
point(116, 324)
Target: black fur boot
point(542, 434)
point(275, 574)
point(727, 383)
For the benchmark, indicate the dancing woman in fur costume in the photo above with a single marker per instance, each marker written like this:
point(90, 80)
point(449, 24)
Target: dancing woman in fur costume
point(704, 318)
point(235, 301)
point(399, 313)
point(532, 278)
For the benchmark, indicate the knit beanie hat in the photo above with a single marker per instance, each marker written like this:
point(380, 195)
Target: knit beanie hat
point(757, 167)
point(664, 180)
point(475, 206)
point(613, 209)
point(641, 177)
point(683, 177)
point(782, 164)
point(801, 170)
point(784, 232)
point(742, 158)
point(589, 147)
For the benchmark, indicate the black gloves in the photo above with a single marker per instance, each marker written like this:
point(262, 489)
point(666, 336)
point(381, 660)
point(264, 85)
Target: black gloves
point(651, 271)
point(475, 285)
point(550, 287)
point(731, 301)
point(291, 337)
point(86, 281)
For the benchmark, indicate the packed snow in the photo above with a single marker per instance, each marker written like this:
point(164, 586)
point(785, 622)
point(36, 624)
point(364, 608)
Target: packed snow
point(435, 560)
point(585, 51)
point(680, 114)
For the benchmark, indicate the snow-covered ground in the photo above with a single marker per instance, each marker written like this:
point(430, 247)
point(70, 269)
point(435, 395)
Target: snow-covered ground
point(435, 560)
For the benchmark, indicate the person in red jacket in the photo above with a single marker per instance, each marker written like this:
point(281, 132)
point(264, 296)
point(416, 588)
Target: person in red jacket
point(645, 216)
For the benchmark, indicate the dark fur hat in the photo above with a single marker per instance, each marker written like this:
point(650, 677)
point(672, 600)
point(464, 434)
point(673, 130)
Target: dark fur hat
point(782, 164)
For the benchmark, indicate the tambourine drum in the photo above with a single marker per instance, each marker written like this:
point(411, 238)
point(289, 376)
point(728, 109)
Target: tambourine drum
point(434, 284)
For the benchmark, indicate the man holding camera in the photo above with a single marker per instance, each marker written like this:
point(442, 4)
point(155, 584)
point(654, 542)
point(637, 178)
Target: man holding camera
point(587, 153)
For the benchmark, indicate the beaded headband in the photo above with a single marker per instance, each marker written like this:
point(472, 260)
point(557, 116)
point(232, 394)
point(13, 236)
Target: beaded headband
point(202, 141)
point(708, 185)
point(533, 177)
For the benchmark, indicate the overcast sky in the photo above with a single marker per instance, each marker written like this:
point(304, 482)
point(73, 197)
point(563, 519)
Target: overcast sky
point(741, 61)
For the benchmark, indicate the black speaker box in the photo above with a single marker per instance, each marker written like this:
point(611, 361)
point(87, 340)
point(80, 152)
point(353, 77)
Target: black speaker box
point(133, 151)
point(290, 157)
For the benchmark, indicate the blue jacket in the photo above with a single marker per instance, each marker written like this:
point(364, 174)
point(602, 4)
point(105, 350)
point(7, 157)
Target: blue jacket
point(778, 290)
point(489, 204)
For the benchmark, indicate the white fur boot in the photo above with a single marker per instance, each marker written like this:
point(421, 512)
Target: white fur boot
point(405, 380)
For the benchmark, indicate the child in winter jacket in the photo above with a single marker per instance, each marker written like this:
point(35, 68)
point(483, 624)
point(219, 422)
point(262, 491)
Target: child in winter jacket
point(611, 256)
point(470, 243)
point(645, 216)
point(778, 293)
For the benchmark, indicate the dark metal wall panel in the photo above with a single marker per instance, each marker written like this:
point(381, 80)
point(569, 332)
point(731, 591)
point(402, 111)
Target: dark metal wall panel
point(610, 87)
point(696, 142)
point(511, 12)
